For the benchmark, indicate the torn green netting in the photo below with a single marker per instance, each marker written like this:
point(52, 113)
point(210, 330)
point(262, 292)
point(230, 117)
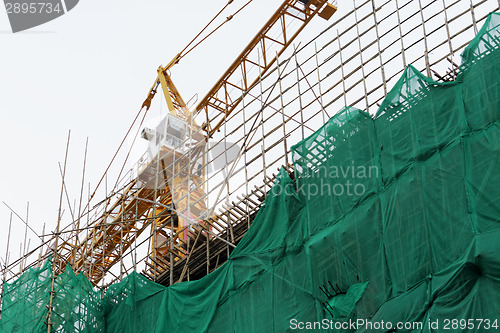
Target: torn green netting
point(391, 218)
point(341, 306)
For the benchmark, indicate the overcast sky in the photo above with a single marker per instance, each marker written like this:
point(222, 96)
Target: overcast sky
point(89, 72)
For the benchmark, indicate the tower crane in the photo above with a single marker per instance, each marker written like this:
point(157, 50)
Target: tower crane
point(168, 193)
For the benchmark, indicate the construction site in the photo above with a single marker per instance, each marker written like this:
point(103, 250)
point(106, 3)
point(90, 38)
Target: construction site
point(346, 175)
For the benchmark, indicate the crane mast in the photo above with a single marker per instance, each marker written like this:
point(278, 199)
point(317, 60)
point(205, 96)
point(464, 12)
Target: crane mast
point(168, 193)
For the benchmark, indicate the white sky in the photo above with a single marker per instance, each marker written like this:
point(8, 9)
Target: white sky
point(89, 71)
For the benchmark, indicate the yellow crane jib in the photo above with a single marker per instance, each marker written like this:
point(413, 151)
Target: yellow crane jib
point(246, 70)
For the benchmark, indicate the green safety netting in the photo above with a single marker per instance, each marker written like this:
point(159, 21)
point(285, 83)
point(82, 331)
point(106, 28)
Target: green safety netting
point(76, 307)
point(24, 301)
point(392, 218)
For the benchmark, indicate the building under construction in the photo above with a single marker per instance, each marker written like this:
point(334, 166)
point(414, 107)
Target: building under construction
point(343, 177)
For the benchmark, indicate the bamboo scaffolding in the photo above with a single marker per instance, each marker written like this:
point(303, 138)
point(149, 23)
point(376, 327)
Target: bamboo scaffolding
point(340, 66)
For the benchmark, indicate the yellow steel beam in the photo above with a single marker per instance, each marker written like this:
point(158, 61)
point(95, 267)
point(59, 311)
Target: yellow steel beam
point(239, 72)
